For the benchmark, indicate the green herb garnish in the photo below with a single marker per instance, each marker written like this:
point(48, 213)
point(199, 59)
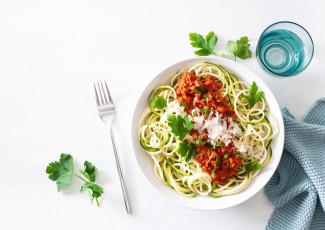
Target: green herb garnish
point(199, 142)
point(206, 46)
point(62, 172)
point(197, 91)
point(180, 126)
point(240, 48)
point(158, 102)
point(200, 90)
point(215, 144)
point(90, 171)
point(253, 166)
point(188, 124)
point(218, 160)
point(206, 111)
point(254, 95)
point(184, 103)
point(186, 150)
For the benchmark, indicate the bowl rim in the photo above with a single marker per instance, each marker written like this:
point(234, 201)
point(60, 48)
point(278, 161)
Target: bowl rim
point(212, 203)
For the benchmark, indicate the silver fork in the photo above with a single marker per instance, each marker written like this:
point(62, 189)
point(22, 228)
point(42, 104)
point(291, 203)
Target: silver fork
point(106, 111)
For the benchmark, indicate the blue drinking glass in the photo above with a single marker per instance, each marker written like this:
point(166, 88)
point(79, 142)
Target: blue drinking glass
point(285, 49)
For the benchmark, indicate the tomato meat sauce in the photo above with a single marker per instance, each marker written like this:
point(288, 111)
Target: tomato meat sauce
point(202, 93)
point(205, 94)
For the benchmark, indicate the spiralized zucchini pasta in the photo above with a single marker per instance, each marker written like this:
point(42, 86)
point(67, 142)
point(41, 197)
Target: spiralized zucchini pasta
point(207, 132)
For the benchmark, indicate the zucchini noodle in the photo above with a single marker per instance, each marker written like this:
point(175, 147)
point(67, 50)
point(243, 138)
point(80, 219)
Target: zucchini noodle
point(187, 177)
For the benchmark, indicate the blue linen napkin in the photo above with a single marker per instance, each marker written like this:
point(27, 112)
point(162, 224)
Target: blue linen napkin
point(297, 189)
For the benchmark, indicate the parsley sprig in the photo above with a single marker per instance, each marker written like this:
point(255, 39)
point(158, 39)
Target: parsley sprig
point(62, 172)
point(254, 95)
point(240, 48)
point(180, 125)
point(158, 102)
point(206, 46)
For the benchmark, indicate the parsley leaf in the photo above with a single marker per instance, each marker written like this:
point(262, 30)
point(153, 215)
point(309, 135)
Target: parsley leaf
point(90, 171)
point(158, 102)
point(254, 95)
point(186, 150)
point(182, 149)
point(190, 154)
point(95, 191)
point(199, 142)
point(240, 48)
point(61, 171)
point(206, 46)
point(218, 160)
point(197, 91)
point(215, 144)
point(184, 103)
point(206, 111)
point(253, 166)
point(180, 126)
point(188, 123)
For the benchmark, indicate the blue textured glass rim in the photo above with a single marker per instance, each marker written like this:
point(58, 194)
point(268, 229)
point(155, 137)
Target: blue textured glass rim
point(289, 22)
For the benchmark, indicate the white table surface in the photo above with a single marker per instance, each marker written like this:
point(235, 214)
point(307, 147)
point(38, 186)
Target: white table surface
point(51, 52)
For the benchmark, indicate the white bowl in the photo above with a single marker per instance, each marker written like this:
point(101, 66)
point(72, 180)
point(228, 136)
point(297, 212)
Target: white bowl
point(206, 202)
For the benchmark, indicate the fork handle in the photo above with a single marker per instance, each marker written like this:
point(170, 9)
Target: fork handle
point(121, 175)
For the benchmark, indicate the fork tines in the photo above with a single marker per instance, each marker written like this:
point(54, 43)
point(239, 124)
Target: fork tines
point(103, 96)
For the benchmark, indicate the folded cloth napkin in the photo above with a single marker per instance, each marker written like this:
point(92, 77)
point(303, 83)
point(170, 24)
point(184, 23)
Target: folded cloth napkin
point(297, 189)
